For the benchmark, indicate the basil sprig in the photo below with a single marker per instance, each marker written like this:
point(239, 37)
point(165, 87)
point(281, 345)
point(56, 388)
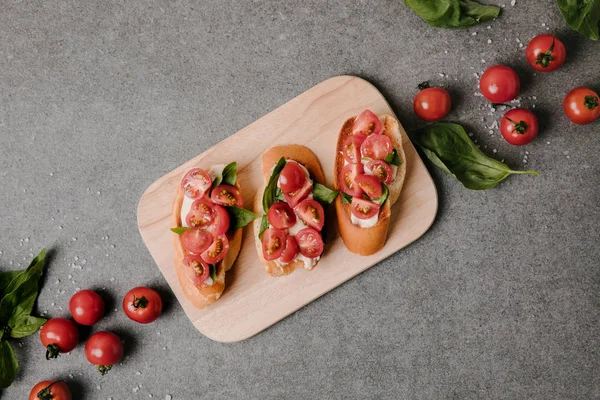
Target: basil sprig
point(179, 230)
point(227, 177)
point(18, 291)
point(213, 271)
point(323, 194)
point(393, 158)
point(264, 225)
point(582, 16)
point(453, 13)
point(270, 192)
point(346, 198)
point(239, 217)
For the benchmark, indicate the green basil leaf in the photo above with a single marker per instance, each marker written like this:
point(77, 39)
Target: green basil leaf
point(384, 195)
point(229, 176)
point(278, 195)
point(264, 225)
point(179, 230)
point(323, 194)
point(582, 16)
point(213, 271)
point(269, 194)
point(26, 325)
point(453, 13)
point(346, 198)
point(8, 365)
point(393, 158)
point(239, 217)
point(5, 278)
point(449, 147)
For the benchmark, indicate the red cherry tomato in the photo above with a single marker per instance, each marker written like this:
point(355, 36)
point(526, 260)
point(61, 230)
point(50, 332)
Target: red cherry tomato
point(351, 148)
point(310, 243)
point(311, 213)
point(273, 243)
point(281, 215)
point(217, 250)
point(519, 126)
point(376, 147)
point(499, 84)
point(104, 349)
point(220, 224)
point(87, 307)
point(291, 250)
point(196, 269)
point(46, 390)
point(366, 123)
point(347, 179)
point(59, 335)
point(432, 104)
point(363, 208)
point(369, 184)
point(226, 195)
point(201, 214)
point(381, 170)
point(196, 183)
point(546, 53)
point(581, 105)
point(292, 177)
point(142, 304)
point(296, 197)
point(196, 241)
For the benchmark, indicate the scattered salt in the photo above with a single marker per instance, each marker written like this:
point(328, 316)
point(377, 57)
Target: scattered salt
point(513, 2)
point(489, 41)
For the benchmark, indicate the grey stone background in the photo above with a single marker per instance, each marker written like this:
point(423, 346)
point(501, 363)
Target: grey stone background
point(499, 300)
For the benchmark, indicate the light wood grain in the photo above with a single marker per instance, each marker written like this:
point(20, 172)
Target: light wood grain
point(252, 300)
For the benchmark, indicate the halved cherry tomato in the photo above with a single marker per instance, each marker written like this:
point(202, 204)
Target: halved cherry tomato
point(369, 184)
point(499, 84)
point(432, 104)
point(196, 241)
point(59, 335)
point(347, 176)
point(220, 224)
point(546, 53)
point(291, 250)
point(217, 250)
point(54, 390)
point(86, 307)
point(377, 147)
point(296, 197)
point(363, 208)
point(142, 304)
point(292, 177)
point(104, 349)
point(196, 269)
point(196, 183)
point(381, 170)
point(582, 105)
point(201, 215)
point(310, 243)
point(311, 213)
point(281, 215)
point(273, 243)
point(366, 123)
point(519, 126)
point(351, 148)
point(227, 195)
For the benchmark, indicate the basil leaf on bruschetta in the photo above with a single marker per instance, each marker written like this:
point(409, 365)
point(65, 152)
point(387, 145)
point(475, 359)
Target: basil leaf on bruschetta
point(384, 195)
point(346, 198)
point(227, 177)
point(270, 194)
point(239, 217)
point(213, 271)
point(323, 194)
point(179, 230)
point(264, 225)
point(393, 158)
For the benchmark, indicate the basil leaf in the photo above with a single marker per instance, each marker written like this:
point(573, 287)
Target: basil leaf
point(26, 325)
point(179, 230)
point(393, 158)
point(384, 195)
point(582, 16)
point(264, 225)
point(213, 271)
point(5, 278)
point(269, 194)
point(229, 176)
point(278, 195)
point(449, 147)
point(8, 365)
point(346, 198)
point(452, 13)
point(323, 194)
point(239, 217)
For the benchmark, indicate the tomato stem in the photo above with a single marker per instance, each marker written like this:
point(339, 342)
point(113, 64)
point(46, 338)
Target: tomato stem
point(423, 85)
point(52, 351)
point(103, 369)
point(45, 394)
point(544, 59)
point(139, 302)
point(520, 127)
point(590, 102)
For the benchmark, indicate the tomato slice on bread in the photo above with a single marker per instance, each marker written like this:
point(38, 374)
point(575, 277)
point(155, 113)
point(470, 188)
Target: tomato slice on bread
point(220, 223)
point(201, 215)
point(281, 215)
point(294, 198)
point(273, 243)
point(217, 250)
point(226, 195)
point(376, 147)
point(292, 177)
point(291, 250)
point(311, 213)
point(310, 242)
point(369, 184)
point(363, 208)
point(367, 123)
point(195, 241)
point(196, 183)
point(351, 147)
point(381, 170)
point(347, 179)
point(197, 270)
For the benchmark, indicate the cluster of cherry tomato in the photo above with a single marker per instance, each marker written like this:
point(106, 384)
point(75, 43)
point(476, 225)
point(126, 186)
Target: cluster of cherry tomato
point(500, 84)
point(103, 349)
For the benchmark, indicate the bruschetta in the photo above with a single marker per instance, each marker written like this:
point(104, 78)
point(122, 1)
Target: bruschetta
point(369, 172)
point(292, 208)
point(208, 217)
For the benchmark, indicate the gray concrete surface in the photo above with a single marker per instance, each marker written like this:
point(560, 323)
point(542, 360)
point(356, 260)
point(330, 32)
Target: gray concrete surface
point(499, 300)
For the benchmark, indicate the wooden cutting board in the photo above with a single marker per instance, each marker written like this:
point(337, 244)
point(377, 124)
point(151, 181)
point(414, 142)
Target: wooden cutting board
point(253, 300)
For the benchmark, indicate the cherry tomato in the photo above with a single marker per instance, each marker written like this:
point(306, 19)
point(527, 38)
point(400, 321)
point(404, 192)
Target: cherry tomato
point(432, 104)
point(351, 148)
point(292, 177)
point(363, 208)
point(381, 170)
point(311, 213)
point(217, 250)
point(273, 243)
point(50, 390)
point(519, 126)
point(142, 304)
point(196, 241)
point(377, 147)
point(104, 349)
point(581, 105)
point(310, 243)
point(197, 270)
point(59, 335)
point(226, 195)
point(201, 215)
point(196, 183)
point(87, 307)
point(546, 53)
point(296, 197)
point(499, 84)
point(367, 123)
point(347, 179)
point(369, 184)
point(291, 250)
point(220, 224)
point(281, 215)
